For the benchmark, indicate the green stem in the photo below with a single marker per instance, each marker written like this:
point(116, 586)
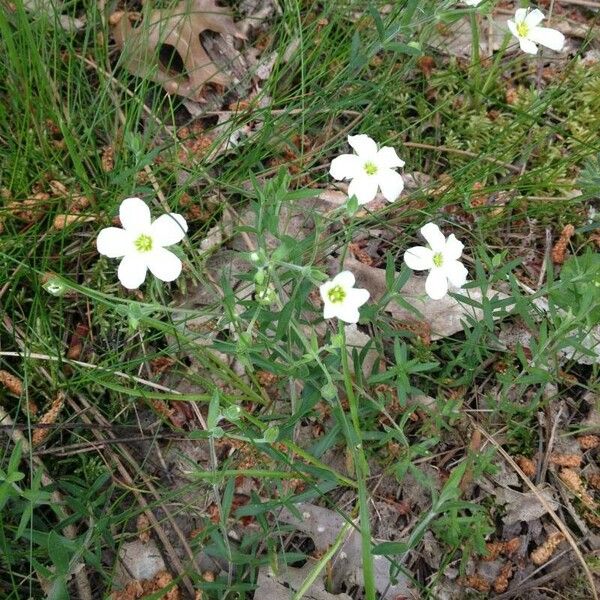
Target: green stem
point(494, 68)
point(475, 57)
point(362, 471)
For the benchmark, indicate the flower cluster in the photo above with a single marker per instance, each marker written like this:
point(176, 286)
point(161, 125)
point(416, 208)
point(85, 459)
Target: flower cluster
point(142, 244)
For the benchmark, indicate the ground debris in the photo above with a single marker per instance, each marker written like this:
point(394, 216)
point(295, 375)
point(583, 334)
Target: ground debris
point(543, 553)
point(49, 417)
point(179, 27)
point(12, 383)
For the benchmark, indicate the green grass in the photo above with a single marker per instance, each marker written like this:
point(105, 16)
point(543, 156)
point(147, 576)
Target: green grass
point(65, 98)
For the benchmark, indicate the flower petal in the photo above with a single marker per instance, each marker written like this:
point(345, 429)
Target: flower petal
point(520, 15)
point(456, 273)
point(363, 145)
point(348, 313)
point(528, 46)
point(134, 214)
point(551, 38)
point(436, 284)
point(329, 310)
point(364, 187)
point(434, 237)
point(323, 289)
point(358, 296)
point(512, 26)
point(164, 265)
point(453, 249)
point(388, 159)
point(391, 184)
point(534, 18)
point(345, 166)
point(346, 279)
point(419, 258)
point(168, 229)
point(132, 271)
point(114, 242)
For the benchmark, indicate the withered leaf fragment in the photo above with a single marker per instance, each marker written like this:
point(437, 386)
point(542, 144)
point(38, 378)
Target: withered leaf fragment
point(179, 27)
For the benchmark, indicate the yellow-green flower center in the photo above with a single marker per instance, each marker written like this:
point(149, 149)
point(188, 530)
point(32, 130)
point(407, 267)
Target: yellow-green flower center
point(143, 243)
point(336, 294)
point(370, 168)
point(438, 259)
point(522, 29)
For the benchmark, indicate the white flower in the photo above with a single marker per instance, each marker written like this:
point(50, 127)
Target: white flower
point(142, 243)
point(369, 169)
point(440, 258)
point(340, 298)
point(525, 29)
point(472, 2)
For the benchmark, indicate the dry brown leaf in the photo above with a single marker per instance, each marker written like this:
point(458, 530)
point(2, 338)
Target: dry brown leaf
point(77, 340)
point(58, 188)
point(108, 159)
point(501, 582)
point(588, 442)
point(573, 481)
point(560, 248)
point(542, 554)
point(13, 384)
point(477, 582)
point(566, 460)
point(179, 27)
point(63, 221)
point(594, 481)
point(526, 465)
point(49, 417)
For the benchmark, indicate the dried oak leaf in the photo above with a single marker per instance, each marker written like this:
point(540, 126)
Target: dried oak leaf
point(179, 27)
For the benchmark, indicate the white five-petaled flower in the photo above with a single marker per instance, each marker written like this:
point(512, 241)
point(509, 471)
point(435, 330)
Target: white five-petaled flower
point(341, 299)
point(526, 29)
point(142, 243)
point(440, 257)
point(369, 169)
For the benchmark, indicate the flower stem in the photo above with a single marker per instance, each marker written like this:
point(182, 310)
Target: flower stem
point(362, 471)
point(475, 57)
point(494, 69)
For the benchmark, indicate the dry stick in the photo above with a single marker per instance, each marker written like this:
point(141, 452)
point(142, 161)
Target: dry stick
point(462, 153)
point(563, 528)
point(70, 532)
point(142, 501)
point(549, 446)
